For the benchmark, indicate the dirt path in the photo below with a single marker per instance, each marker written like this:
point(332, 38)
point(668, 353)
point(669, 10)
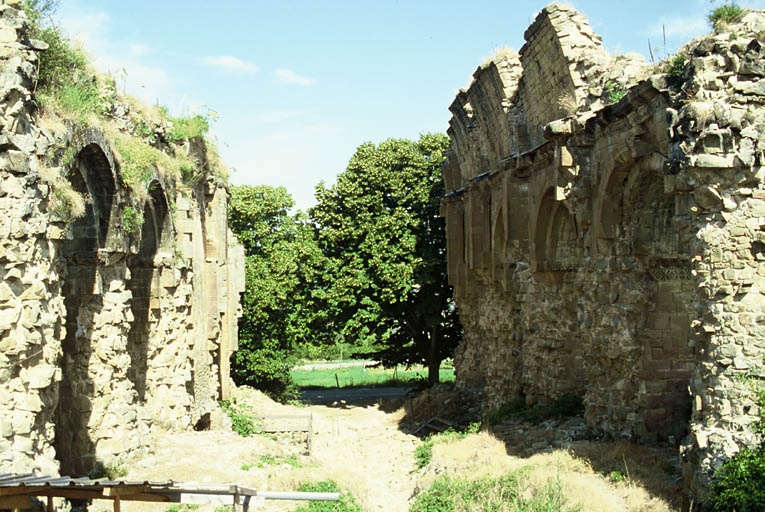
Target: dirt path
point(359, 447)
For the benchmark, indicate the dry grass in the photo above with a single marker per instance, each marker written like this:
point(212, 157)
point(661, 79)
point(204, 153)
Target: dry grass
point(499, 54)
point(483, 455)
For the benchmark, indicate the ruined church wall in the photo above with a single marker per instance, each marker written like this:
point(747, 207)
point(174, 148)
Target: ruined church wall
point(618, 259)
point(106, 331)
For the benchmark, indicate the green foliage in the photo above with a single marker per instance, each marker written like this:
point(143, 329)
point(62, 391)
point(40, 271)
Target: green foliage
point(613, 91)
point(139, 160)
point(188, 127)
point(740, 483)
point(132, 220)
point(243, 419)
point(564, 406)
point(504, 493)
point(79, 100)
point(282, 262)
point(347, 502)
point(63, 77)
point(675, 70)
point(725, 14)
point(379, 226)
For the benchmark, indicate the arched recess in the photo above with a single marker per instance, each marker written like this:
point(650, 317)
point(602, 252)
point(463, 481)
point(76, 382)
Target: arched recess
point(499, 245)
point(556, 243)
point(144, 283)
point(667, 358)
point(92, 177)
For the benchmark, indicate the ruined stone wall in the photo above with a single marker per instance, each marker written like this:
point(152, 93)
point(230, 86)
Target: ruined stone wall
point(105, 330)
point(611, 249)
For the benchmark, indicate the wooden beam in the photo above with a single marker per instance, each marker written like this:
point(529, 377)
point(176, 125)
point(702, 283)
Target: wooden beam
point(15, 502)
point(125, 490)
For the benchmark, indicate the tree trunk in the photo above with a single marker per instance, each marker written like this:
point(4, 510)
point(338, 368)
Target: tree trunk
point(434, 361)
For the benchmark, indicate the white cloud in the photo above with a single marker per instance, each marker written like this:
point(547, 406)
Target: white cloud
point(231, 63)
point(287, 76)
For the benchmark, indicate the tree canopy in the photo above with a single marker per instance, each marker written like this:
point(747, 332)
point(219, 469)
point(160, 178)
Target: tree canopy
point(380, 229)
point(281, 261)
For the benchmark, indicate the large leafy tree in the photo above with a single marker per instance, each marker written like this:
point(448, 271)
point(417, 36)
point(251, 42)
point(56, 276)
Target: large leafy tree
point(380, 228)
point(282, 260)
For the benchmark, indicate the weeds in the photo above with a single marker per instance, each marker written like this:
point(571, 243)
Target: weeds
point(243, 420)
point(347, 502)
point(726, 14)
point(504, 493)
point(613, 91)
point(273, 460)
point(132, 220)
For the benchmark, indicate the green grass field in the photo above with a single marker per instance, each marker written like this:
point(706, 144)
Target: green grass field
point(357, 376)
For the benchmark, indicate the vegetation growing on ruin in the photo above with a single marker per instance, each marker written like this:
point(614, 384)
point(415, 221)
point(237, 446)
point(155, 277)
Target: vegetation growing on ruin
point(69, 88)
point(726, 14)
point(740, 482)
point(675, 70)
point(613, 91)
point(132, 219)
point(188, 127)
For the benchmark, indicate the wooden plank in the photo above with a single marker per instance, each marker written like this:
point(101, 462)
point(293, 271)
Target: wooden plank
point(15, 502)
point(125, 490)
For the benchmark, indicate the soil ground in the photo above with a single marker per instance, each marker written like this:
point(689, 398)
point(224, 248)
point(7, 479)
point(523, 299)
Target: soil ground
point(363, 447)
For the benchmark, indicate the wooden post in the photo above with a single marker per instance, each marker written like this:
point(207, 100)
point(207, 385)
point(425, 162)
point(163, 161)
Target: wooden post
point(237, 507)
point(50, 504)
point(117, 503)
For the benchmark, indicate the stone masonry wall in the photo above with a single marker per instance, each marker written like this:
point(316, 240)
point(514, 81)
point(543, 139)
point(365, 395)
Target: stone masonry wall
point(104, 332)
point(613, 249)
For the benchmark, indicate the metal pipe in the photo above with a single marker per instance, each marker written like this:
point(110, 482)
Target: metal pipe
point(300, 496)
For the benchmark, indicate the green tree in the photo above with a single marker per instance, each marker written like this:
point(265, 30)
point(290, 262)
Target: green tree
point(380, 229)
point(281, 261)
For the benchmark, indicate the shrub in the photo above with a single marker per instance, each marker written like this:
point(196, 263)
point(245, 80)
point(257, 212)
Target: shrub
point(347, 502)
point(132, 219)
point(675, 70)
point(740, 483)
point(613, 91)
point(265, 369)
point(243, 419)
point(725, 14)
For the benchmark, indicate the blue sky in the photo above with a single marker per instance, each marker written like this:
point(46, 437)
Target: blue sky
point(297, 85)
